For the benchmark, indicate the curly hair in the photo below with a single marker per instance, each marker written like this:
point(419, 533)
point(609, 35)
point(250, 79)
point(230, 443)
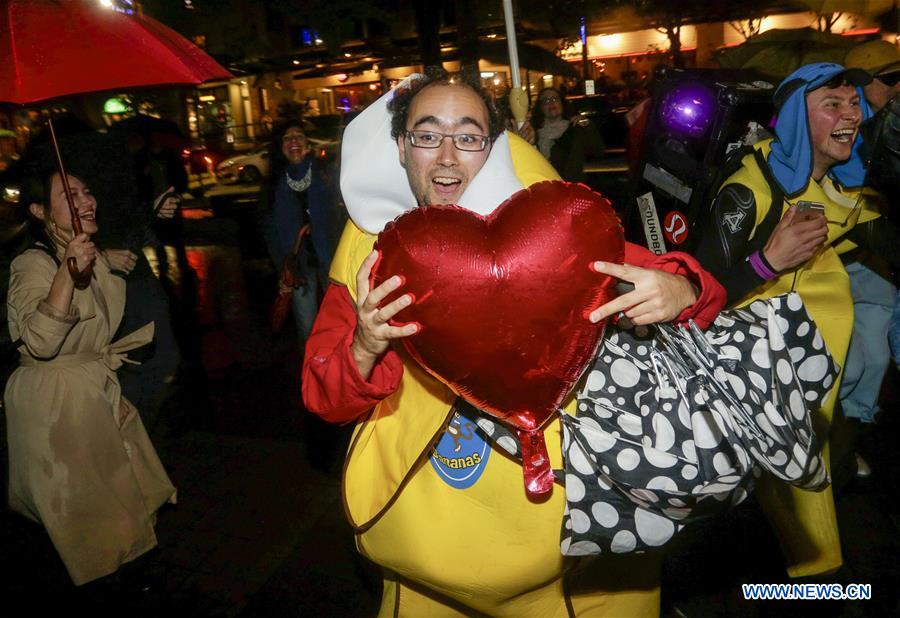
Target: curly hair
point(403, 98)
point(277, 161)
point(537, 113)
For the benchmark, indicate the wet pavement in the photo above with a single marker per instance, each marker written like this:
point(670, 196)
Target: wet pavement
point(259, 528)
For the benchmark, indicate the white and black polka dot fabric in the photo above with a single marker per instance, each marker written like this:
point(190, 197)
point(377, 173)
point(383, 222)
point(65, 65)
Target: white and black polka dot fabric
point(671, 426)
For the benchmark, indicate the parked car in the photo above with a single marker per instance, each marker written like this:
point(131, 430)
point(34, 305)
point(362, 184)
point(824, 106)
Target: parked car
point(201, 159)
point(250, 167)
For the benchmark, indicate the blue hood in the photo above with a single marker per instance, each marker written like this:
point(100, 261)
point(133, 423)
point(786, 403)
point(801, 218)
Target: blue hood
point(791, 156)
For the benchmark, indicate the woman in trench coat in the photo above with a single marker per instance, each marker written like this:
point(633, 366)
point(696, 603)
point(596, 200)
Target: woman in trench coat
point(80, 461)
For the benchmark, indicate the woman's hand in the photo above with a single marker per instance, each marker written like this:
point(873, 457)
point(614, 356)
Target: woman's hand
point(166, 205)
point(121, 260)
point(373, 333)
point(82, 249)
point(795, 239)
point(658, 296)
point(526, 132)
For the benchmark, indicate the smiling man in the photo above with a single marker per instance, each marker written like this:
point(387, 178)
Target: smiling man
point(433, 497)
point(446, 142)
point(778, 225)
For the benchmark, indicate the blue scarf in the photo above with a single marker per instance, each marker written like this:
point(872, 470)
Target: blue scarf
point(791, 157)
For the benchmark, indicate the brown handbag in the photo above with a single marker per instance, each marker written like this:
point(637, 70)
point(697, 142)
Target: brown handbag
point(288, 281)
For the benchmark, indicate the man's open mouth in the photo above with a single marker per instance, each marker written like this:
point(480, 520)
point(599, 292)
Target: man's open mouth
point(843, 136)
point(446, 182)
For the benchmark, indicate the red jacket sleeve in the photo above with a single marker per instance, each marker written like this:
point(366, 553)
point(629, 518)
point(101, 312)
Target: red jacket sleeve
point(332, 385)
point(711, 298)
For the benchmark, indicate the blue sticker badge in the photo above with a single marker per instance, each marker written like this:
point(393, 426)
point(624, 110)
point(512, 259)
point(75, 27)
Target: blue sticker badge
point(461, 455)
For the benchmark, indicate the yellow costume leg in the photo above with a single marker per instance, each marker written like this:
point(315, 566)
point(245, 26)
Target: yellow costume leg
point(805, 521)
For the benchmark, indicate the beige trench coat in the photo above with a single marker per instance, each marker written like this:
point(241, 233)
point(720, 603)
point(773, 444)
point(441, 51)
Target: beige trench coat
point(93, 484)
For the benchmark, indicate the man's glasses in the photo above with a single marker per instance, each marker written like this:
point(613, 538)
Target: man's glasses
point(889, 79)
point(469, 142)
point(546, 100)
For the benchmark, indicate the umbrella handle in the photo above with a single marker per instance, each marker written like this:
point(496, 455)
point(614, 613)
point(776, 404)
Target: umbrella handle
point(81, 278)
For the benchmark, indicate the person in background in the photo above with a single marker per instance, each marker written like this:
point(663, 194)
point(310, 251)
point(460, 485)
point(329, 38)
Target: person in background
point(155, 146)
point(778, 225)
point(80, 461)
point(126, 226)
point(299, 197)
point(874, 295)
point(564, 141)
point(301, 214)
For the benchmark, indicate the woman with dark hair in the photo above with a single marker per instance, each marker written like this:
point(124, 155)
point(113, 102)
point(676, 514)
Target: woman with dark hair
point(564, 141)
point(80, 461)
point(299, 227)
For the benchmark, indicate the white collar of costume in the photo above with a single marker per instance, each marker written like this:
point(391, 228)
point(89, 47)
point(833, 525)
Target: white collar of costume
point(374, 184)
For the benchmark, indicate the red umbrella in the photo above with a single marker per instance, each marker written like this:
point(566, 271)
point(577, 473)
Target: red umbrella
point(56, 48)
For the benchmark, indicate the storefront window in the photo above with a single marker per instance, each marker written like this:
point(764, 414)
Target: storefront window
point(356, 97)
point(213, 114)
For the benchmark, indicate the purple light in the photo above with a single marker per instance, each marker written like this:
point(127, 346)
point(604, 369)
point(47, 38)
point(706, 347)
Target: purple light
point(687, 108)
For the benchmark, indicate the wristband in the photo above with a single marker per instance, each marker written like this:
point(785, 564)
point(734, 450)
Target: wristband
point(762, 267)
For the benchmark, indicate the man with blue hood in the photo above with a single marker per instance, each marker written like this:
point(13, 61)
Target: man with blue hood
point(778, 224)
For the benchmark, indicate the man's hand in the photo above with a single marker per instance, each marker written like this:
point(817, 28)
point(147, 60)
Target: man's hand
point(373, 333)
point(121, 260)
point(82, 249)
point(657, 296)
point(795, 239)
point(166, 205)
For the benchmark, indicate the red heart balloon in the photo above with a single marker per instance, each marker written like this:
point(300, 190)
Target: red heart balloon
point(503, 300)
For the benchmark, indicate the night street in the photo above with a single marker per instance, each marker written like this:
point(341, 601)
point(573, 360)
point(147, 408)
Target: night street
point(259, 528)
point(597, 296)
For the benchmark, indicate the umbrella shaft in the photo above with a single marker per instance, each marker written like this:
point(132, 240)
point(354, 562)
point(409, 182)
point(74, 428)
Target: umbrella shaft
point(63, 177)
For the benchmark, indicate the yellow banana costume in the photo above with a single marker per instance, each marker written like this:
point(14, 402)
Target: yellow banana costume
point(805, 521)
point(448, 550)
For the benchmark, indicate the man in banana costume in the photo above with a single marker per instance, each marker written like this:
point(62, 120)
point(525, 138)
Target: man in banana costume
point(449, 520)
